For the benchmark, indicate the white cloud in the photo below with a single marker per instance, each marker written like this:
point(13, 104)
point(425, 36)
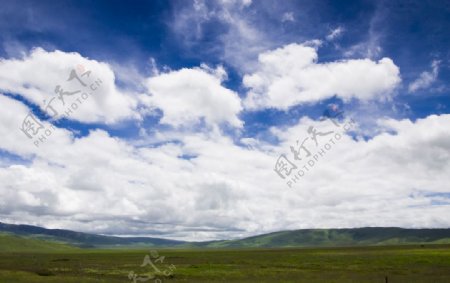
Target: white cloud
point(105, 184)
point(370, 46)
point(426, 78)
point(191, 23)
point(36, 76)
point(14, 140)
point(290, 75)
point(246, 3)
point(288, 17)
point(337, 32)
point(188, 95)
point(243, 3)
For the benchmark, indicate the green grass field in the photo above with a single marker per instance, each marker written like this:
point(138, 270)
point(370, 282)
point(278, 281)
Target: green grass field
point(429, 263)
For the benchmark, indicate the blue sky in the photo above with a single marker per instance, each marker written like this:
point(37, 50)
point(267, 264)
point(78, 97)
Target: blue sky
point(184, 80)
point(104, 29)
point(413, 35)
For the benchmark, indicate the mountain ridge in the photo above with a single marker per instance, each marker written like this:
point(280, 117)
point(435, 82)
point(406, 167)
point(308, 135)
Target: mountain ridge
point(364, 236)
point(81, 239)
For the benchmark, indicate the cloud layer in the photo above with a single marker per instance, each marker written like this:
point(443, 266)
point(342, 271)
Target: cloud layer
point(105, 184)
point(204, 184)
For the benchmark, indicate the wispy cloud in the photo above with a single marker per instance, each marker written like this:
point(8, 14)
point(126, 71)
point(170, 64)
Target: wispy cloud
point(334, 34)
point(426, 78)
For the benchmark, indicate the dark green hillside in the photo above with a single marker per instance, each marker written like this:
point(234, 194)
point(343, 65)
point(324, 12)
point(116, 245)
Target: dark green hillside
point(13, 243)
point(84, 240)
point(297, 238)
point(341, 237)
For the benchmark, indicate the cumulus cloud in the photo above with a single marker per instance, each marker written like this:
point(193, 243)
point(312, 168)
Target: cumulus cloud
point(206, 185)
point(37, 76)
point(291, 75)
point(14, 140)
point(71, 86)
point(105, 184)
point(188, 95)
point(184, 183)
point(426, 78)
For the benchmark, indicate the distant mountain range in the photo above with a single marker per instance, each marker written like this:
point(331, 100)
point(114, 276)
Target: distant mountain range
point(83, 240)
point(39, 236)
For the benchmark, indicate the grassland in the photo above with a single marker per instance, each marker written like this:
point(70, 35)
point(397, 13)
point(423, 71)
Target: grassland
point(429, 263)
point(13, 243)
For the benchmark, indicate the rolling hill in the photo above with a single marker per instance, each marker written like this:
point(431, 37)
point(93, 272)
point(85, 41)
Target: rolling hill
point(14, 243)
point(84, 240)
point(341, 237)
point(369, 236)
